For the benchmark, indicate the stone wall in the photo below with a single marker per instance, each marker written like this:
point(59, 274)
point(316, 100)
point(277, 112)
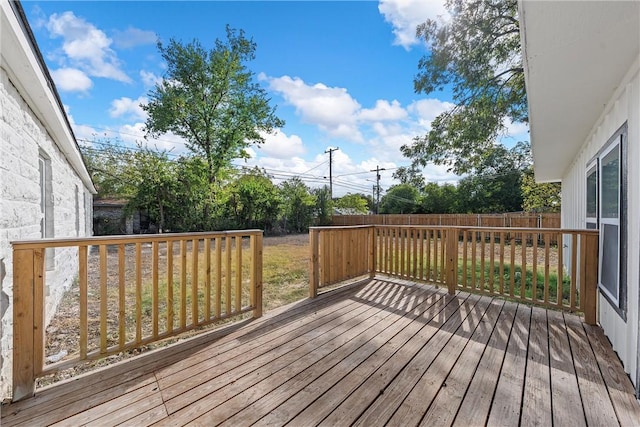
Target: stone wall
point(23, 141)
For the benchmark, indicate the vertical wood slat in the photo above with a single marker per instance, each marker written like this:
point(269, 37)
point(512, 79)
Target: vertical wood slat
point(560, 270)
point(183, 284)
point(591, 279)
point(38, 310)
point(218, 300)
point(155, 303)
point(403, 250)
point(523, 266)
point(207, 279)
point(534, 268)
point(23, 321)
point(121, 296)
point(227, 272)
point(414, 255)
point(138, 292)
point(170, 310)
point(474, 254)
point(583, 280)
point(465, 259)
point(421, 262)
point(238, 240)
point(195, 253)
point(574, 271)
point(443, 245)
point(314, 263)
point(492, 259)
point(452, 260)
point(483, 255)
point(103, 298)
point(83, 279)
point(501, 271)
point(512, 265)
point(547, 243)
point(373, 240)
point(257, 282)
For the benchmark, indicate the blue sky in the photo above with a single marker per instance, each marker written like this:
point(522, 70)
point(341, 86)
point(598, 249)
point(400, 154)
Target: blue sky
point(341, 75)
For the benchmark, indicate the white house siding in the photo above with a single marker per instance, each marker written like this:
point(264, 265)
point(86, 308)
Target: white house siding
point(624, 106)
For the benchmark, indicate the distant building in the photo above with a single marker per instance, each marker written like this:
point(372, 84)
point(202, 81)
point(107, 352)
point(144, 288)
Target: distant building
point(45, 189)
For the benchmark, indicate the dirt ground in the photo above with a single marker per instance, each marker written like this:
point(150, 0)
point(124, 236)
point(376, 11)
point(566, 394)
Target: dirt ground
point(62, 333)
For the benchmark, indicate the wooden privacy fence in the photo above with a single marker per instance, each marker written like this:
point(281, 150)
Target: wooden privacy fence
point(524, 264)
point(527, 220)
point(132, 291)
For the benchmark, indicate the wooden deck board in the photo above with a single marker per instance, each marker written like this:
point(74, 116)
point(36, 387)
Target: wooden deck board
point(385, 351)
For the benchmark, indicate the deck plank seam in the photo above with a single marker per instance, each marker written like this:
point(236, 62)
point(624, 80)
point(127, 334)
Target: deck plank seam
point(573, 363)
point(526, 363)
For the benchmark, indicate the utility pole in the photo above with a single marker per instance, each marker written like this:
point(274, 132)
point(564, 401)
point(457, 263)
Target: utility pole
point(377, 171)
point(330, 151)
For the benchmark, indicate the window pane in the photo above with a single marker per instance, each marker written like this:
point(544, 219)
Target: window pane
point(592, 193)
point(609, 273)
point(610, 191)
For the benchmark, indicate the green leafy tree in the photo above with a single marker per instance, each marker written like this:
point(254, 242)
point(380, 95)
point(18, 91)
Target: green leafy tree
point(298, 205)
point(254, 201)
point(438, 199)
point(323, 210)
point(540, 197)
point(153, 182)
point(400, 199)
point(354, 202)
point(496, 186)
point(210, 98)
point(477, 54)
point(107, 164)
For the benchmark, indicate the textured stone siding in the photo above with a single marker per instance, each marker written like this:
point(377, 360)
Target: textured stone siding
point(23, 140)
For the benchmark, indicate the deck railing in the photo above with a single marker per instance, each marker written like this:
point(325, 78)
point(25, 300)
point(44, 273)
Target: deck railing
point(524, 264)
point(132, 291)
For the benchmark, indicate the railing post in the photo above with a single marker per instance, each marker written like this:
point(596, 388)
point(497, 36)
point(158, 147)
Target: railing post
point(373, 239)
point(591, 279)
point(256, 242)
point(28, 318)
point(314, 266)
point(452, 260)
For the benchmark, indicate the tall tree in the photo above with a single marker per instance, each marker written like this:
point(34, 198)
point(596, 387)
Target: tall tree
point(211, 99)
point(254, 201)
point(298, 205)
point(476, 53)
point(323, 209)
point(540, 197)
point(357, 203)
point(400, 199)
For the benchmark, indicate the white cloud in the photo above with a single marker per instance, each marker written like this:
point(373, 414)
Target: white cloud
point(428, 109)
point(71, 80)
point(128, 107)
point(332, 109)
point(86, 47)
point(132, 37)
point(515, 129)
point(384, 110)
point(149, 79)
point(406, 15)
point(281, 146)
point(133, 134)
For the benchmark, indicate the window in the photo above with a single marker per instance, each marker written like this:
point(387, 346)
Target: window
point(46, 206)
point(606, 211)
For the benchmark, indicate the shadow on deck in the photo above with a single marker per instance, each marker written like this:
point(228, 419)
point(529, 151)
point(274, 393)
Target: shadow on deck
point(386, 351)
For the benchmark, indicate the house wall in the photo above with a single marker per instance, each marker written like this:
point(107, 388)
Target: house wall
point(23, 139)
point(624, 106)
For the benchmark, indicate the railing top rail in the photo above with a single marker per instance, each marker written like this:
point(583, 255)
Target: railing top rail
point(124, 239)
point(340, 227)
point(505, 229)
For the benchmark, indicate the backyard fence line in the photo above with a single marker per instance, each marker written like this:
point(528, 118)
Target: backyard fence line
point(526, 220)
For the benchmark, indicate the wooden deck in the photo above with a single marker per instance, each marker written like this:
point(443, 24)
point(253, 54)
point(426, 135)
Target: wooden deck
point(386, 352)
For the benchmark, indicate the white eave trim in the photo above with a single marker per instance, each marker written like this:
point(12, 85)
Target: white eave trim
point(24, 69)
